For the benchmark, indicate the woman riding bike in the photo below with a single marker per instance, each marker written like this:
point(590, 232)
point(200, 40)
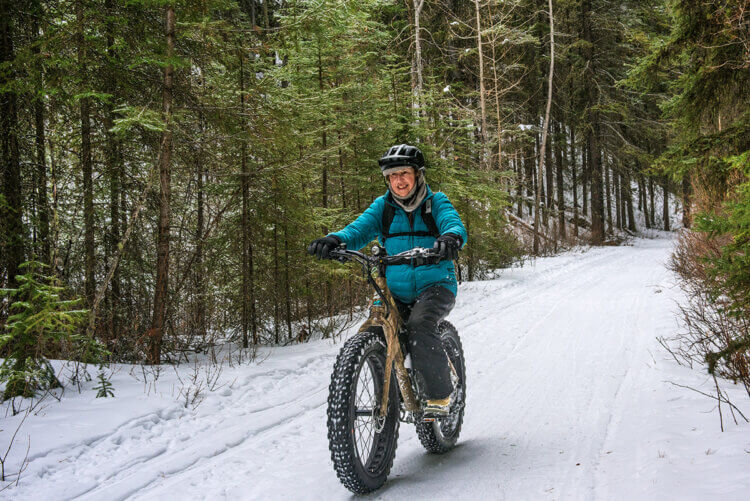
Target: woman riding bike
point(410, 216)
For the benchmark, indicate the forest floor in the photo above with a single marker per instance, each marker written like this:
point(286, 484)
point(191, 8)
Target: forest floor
point(570, 396)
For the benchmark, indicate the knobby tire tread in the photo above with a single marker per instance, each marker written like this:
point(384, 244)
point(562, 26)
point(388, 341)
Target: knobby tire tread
point(340, 427)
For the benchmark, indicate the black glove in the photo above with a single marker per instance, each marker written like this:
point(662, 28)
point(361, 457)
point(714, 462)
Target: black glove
point(448, 245)
point(322, 246)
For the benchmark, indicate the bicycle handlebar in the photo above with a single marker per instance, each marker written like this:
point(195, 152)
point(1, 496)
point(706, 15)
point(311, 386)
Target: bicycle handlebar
point(415, 257)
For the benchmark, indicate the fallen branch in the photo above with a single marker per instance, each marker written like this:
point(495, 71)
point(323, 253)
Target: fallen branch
point(527, 226)
point(120, 249)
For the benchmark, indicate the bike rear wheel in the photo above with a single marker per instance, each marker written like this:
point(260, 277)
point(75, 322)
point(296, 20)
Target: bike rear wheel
point(362, 443)
point(440, 435)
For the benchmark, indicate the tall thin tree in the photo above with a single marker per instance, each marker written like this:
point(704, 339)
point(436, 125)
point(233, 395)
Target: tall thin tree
point(156, 331)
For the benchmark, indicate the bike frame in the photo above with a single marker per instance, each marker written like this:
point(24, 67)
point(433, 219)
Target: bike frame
point(384, 314)
point(389, 319)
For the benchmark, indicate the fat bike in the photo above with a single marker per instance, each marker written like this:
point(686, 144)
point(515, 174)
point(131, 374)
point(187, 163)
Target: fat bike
point(372, 390)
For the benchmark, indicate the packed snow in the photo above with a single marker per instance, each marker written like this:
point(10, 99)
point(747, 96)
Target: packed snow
point(570, 396)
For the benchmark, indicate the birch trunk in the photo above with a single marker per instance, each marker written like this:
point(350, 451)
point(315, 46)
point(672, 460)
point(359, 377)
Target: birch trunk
point(484, 164)
point(542, 149)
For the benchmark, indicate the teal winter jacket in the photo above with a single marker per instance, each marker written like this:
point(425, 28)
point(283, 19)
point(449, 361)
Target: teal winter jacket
point(406, 282)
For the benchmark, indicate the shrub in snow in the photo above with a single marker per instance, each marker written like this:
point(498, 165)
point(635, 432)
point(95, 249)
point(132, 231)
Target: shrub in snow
point(40, 322)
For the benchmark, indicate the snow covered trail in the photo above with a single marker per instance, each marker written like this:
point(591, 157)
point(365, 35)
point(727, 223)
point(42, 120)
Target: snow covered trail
point(567, 399)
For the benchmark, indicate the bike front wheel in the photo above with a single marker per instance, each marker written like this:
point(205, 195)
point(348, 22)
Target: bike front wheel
point(362, 443)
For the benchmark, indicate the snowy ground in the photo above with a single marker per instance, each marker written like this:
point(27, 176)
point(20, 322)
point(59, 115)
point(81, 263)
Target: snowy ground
point(568, 398)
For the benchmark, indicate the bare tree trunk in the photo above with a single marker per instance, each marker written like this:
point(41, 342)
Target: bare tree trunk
point(540, 169)
point(629, 201)
point(482, 108)
point(497, 111)
point(266, 17)
point(11, 222)
point(618, 199)
point(592, 133)
point(417, 77)
point(113, 161)
point(520, 166)
point(559, 141)
point(529, 165)
point(200, 279)
point(86, 165)
point(607, 190)
point(324, 141)
point(665, 211)
point(276, 314)
point(549, 174)
point(597, 200)
point(652, 206)
point(586, 157)
point(641, 197)
point(42, 203)
point(245, 186)
point(287, 284)
point(573, 171)
point(156, 333)
point(646, 213)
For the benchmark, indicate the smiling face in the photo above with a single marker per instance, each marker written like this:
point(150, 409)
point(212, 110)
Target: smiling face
point(402, 181)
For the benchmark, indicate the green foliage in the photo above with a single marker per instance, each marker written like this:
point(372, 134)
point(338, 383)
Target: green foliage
point(701, 71)
point(104, 388)
point(40, 322)
point(730, 271)
point(299, 99)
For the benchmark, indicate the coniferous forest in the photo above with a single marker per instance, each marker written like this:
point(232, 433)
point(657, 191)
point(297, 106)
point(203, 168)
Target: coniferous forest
point(165, 163)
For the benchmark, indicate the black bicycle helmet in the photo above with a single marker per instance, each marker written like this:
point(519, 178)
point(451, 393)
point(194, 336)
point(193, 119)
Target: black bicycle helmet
point(401, 155)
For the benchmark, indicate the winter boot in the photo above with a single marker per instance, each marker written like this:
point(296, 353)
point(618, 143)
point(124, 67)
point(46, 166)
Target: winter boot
point(437, 407)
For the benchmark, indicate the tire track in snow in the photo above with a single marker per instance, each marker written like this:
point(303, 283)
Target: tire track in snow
point(536, 388)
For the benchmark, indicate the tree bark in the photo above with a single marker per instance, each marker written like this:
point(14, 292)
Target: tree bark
point(592, 139)
point(324, 141)
point(42, 203)
point(652, 204)
point(520, 167)
point(607, 190)
point(245, 187)
point(573, 172)
point(595, 170)
point(665, 207)
point(11, 222)
point(540, 170)
point(499, 127)
point(484, 164)
point(629, 201)
point(156, 333)
point(585, 174)
point(646, 213)
point(617, 195)
point(113, 161)
point(417, 77)
point(86, 164)
point(559, 141)
point(200, 279)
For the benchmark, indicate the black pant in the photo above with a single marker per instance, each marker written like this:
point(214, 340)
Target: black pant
point(427, 355)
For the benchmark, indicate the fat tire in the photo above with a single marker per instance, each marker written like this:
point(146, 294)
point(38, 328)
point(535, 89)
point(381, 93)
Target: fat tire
point(431, 433)
point(341, 420)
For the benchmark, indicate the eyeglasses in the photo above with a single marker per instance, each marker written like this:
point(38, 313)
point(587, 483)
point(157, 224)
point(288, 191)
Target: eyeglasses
point(407, 172)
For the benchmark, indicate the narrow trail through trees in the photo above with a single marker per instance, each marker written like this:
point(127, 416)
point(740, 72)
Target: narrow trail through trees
point(566, 399)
